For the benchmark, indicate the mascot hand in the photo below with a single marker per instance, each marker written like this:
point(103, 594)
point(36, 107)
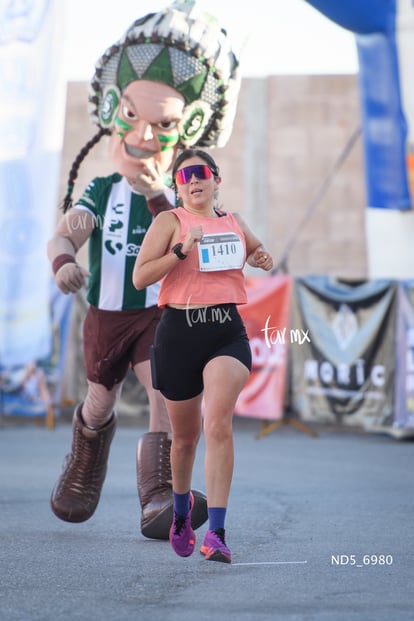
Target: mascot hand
point(149, 181)
point(71, 277)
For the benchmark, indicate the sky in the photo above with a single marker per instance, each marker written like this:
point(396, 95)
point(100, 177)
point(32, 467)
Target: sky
point(273, 36)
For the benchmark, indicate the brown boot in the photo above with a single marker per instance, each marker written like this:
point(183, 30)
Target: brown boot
point(155, 487)
point(77, 491)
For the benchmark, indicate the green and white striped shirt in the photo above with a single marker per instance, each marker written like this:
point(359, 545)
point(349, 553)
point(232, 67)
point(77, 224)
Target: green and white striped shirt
point(121, 220)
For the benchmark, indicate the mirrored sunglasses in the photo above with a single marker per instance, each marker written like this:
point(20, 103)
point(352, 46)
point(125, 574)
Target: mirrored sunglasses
point(201, 171)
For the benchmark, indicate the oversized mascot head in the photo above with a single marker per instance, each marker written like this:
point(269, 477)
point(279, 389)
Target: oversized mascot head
point(172, 80)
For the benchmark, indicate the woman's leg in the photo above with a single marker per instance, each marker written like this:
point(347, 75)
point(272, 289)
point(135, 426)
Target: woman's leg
point(154, 467)
point(224, 378)
point(185, 419)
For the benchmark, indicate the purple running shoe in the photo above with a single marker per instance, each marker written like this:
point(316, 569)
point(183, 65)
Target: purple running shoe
point(214, 547)
point(182, 536)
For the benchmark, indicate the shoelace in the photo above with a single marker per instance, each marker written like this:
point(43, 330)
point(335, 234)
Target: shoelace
point(220, 532)
point(164, 464)
point(179, 524)
point(81, 471)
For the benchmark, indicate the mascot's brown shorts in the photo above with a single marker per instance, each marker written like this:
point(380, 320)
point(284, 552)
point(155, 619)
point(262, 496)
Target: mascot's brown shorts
point(115, 340)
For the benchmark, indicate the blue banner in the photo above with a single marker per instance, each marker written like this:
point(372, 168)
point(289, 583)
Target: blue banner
point(32, 388)
point(29, 167)
point(404, 386)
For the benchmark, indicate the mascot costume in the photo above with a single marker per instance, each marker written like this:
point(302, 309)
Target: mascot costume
point(170, 82)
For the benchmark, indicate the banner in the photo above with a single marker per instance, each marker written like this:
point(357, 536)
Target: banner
point(30, 45)
point(404, 384)
point(266, 317)
point(344, 370)
point(30, 389)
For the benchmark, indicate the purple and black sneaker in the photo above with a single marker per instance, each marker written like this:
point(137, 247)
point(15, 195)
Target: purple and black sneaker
point(214, 547)
point(182, 536)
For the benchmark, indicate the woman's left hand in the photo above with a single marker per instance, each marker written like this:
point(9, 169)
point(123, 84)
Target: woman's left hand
point(263, 259)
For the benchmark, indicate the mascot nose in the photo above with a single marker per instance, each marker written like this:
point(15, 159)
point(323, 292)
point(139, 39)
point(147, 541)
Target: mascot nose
point(144, 130)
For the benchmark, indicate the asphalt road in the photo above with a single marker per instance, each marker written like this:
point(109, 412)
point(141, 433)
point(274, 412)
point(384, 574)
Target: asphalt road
point(319, 528)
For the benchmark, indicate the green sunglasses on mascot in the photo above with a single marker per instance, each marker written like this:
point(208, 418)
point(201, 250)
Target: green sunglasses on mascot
point(200, 171)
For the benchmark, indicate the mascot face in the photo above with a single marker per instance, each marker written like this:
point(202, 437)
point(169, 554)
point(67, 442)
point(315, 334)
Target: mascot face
point(146, 127)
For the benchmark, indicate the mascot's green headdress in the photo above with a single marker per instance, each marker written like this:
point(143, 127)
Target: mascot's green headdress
point(185, 49)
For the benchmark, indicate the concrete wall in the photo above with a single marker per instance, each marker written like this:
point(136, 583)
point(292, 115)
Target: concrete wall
point(288, 134)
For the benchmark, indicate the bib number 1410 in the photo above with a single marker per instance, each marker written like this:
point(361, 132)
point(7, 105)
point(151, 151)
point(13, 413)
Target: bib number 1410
point(220, 251)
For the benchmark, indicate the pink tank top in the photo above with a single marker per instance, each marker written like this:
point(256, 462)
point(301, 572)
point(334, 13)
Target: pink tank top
point(212, 273)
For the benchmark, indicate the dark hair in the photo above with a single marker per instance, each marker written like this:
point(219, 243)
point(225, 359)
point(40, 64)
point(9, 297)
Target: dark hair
point(189, 153)
point(67, 201)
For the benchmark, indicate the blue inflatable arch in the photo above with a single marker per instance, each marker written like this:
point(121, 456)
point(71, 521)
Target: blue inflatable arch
point(384, 33)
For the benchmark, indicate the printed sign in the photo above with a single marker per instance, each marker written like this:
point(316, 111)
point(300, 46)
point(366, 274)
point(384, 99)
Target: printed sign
point(267, 321)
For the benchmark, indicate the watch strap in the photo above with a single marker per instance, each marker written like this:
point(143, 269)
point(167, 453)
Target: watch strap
point(177, 250)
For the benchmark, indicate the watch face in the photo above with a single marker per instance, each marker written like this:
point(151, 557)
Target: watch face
point(177, 250)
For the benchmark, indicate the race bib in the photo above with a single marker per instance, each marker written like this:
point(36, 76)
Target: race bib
point(220, 251)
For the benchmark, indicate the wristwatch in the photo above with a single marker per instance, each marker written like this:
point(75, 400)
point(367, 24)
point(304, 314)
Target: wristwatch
point(177, 251)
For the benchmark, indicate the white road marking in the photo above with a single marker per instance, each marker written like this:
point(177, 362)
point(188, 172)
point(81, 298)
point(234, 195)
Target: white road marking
point(272, 563)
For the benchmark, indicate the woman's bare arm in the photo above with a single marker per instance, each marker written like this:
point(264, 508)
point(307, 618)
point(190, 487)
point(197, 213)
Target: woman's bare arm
point(153, 261)
point(257, 256)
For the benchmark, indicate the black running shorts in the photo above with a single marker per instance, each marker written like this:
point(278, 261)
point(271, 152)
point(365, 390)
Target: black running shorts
point(185, 341)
